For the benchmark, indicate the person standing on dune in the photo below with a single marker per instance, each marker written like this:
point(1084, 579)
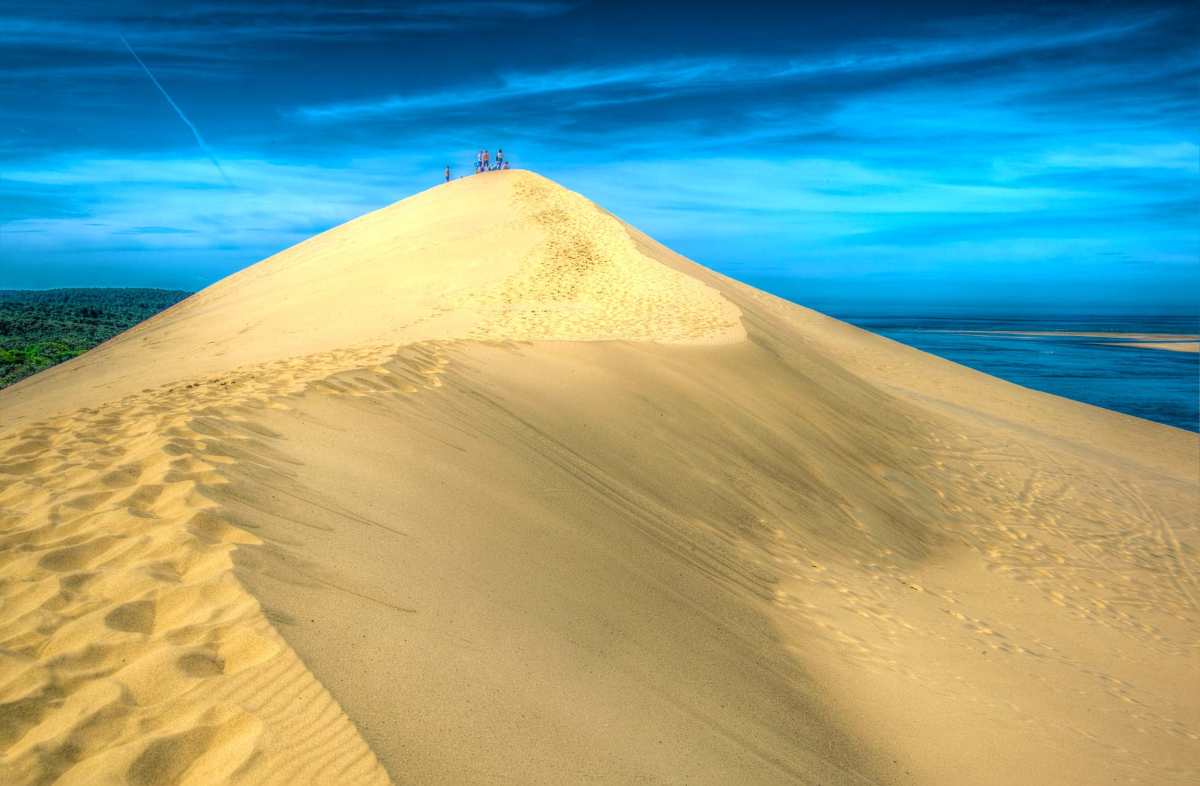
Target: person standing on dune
point(485, 161)
point(478, 162)
point(447, 173)
point(499, 158)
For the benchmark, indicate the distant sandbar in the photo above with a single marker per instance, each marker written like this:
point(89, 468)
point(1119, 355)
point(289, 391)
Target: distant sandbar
point(1172, 342)
point(1138, 336)
point(1170, 346)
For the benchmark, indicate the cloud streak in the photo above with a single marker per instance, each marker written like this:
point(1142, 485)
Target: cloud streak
point(878, 143)
point(646, 81)
point(191, 126)
point(188, 30)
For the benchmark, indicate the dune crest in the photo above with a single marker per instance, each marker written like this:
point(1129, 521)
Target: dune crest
point(132, 653)
point(501, 256)
point(589, 281)
point(488, 486)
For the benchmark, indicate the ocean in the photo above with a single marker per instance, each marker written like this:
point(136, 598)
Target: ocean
point(1149, 383)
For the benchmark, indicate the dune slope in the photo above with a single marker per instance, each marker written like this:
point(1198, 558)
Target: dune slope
point(550, 504)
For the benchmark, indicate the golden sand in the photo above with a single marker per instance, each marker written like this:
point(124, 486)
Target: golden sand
point(547, 503)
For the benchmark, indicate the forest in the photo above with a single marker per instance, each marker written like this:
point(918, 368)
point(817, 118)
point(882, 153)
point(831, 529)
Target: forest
point(40, 328)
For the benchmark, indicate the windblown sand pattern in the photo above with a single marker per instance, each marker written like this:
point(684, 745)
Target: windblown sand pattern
point(588, 281)
point(411, 502)
point(131, 653)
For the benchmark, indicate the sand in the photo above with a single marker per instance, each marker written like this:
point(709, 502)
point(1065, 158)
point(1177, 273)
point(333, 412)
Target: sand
point(1171, 342)
point(1093, 334)
point(551, 504)
point(1169, 346)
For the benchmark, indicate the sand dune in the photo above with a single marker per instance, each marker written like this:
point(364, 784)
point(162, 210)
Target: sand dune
point(415, 503)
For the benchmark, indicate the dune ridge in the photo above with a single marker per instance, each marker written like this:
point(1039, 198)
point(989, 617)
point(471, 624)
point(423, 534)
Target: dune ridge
point(546, 264)
point(550, 503)
point(108, 519)
point(589, 282)
point(131, 652)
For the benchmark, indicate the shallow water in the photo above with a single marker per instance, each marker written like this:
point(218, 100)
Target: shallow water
point(1150, 383)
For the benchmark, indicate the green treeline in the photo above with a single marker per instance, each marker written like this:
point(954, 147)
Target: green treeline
point(39, 328)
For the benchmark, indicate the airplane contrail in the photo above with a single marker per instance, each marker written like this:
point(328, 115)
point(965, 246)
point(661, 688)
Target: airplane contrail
point(196, 133)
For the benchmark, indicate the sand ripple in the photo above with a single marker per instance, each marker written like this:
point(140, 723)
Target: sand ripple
point(130, 653)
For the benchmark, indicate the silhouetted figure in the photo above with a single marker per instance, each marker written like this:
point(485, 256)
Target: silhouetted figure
point(447, 173)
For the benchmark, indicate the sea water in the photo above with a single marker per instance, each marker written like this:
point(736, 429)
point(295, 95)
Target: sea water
point(1155, 384)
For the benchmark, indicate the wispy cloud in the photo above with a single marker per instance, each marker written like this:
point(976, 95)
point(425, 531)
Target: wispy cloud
point(626, 83)
point(945, 143)
point(1180, 156)
point(192, 28)
point(485, 9)
point(662, 75)
point(146, 214)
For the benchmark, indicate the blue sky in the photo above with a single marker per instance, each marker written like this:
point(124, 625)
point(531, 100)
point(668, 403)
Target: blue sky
point(918, 153)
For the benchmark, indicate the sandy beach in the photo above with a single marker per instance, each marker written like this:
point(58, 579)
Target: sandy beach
point(411, 504)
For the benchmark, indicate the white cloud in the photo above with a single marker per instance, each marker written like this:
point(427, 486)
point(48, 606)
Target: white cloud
point(1182, 156)
point(172, 203)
